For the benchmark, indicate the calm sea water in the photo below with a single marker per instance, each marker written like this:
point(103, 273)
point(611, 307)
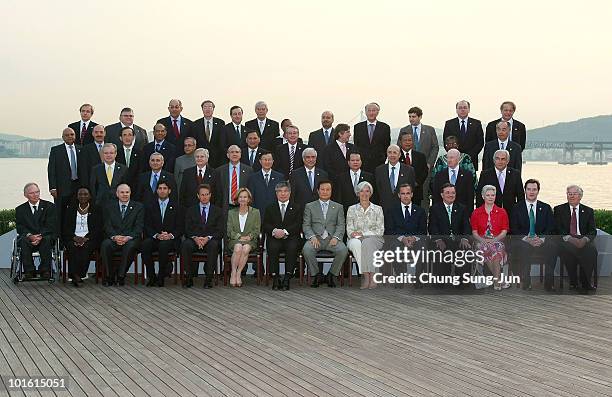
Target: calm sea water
point(594, 179)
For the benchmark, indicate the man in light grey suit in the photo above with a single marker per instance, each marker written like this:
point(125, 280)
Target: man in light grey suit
point(229, 178)
point(426, 142)
point(185, 161)
point(324, 227)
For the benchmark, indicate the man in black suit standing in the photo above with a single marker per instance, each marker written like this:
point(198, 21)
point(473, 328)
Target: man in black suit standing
point(392, 175)
point(410, 156)
point(252, 151)
point(262, 183)
point(177, 126)
point(204, 225)
point(323, 136)
point(105, 177)
point(129, 155)
point(288, 156)
point(229, 178)
point(449, 228)
point(83, 129)
point(344, 193)
point(334, 159)
point(35, 221)
point(282, 224)
point(126, 119)
point(91, 154)
point(195, 176)
point(502, 142)
point(210, 134)
point(459, 177)
point(123, 225)
point(159, 145)
point(468, 130)
point(163, 229)
point(304, 180)
point(63, 173)
point(517, 130)
point(507, 182)
point(235, 132)
point(148, 180)
point(533, 227)
point(268, 129)
point(372, 138)
point(576, 226)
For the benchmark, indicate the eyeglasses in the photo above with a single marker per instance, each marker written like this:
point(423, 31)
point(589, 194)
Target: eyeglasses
point(573, 194)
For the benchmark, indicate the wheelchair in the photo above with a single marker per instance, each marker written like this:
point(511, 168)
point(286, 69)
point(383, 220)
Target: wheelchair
point(17, 273)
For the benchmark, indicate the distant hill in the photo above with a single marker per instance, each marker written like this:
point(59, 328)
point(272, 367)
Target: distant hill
point(587, 129)
point(13, 138)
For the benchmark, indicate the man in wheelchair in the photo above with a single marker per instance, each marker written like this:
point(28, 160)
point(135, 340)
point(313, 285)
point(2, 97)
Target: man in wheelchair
point(36, 223)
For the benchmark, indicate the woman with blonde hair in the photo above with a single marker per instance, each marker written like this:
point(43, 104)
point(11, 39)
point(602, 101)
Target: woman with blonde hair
point(243, 227)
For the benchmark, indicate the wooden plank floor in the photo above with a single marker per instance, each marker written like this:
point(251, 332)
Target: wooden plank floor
point(342, 342)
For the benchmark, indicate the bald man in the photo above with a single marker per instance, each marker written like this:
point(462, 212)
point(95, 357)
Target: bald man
point(177, 126)
point(323, 136)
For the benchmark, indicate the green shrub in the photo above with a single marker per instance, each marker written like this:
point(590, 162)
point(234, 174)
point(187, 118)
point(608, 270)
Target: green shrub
point(7, 221)
point(603, 220)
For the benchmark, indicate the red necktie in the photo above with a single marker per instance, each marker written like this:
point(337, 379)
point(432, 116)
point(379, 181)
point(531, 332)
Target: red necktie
point(573, 223)
point(407, 160)
point(199, 177)
point(177, 133)
point(234, 186)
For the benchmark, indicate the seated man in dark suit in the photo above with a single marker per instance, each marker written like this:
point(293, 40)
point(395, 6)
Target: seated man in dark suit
point(262, 183)
point(410, 156)
point(502, 143)
point(123, 225)
point(344, 193)
point(323, 136)
point(159, 145)
point(193, 177)
point(107, 176)
point(163, 229)
point(84, 127)
point(129, 155)
point(251, 152)
point(178, 127)
point(335, 156)
point(304, 180)
point(407, 224)
point(204, 225)
point(288, 156)
point(576, 226)
point(392, 175)
point(35, 221)
point(91, 154)
point(532, 226)
point(458, 176)
point(518, 132)
point(147, 181)
point(449, 228)
point(282, 224)
point(507, 181)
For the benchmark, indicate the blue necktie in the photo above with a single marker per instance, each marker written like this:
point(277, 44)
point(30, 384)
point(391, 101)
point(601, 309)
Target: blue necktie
point(416, 138)
point(73, 164)
point(123, 209)
point(370, 131)
point(392, 179)
point(453, 177)
point(311, 180)
point(326, 137)
point(406, 214)
point(157, 146)
point(154, 182)
point(162, 208)
point(203, 215)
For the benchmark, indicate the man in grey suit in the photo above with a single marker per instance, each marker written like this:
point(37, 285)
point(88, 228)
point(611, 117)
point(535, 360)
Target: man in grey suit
point(324, 227)
point(426, 142)
point(229, 178)
point(185, 161)
point(126, 119)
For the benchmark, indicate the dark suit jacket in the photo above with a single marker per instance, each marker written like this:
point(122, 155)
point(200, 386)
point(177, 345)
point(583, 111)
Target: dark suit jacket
point(586, 221)
point(135, 168)
point(301, 193)
point(231, 138)
point(44, 222)
point(132, 223)
point(419, 163)
point(545, 221)
point(113, 135)
point(58, 170)
point(244, 158)
point(473, 143)
point(215, 222)
point(221, 183)
point(519, 132)
point(396, 225)
point(145, 195)
point(184, 129)
point(439, 224)
point(372, 154)
point(316, 140)
point(281, 158)
point(263, 195)
point(189, 185)
point(344, 193)
point(464, 188)
point(292, 223)
point(173, 223)
point(334, 162)
point(386, 196)
point(98, 184)
point(217, 147)
point(167, 149)
point(88, 138)
point(89, 157)
point(95, 224)
point(269, 134)
point(516, 157)
point(513, 188)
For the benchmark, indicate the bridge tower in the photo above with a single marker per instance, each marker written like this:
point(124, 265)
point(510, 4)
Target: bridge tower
point(568, 148)
point(596, 151)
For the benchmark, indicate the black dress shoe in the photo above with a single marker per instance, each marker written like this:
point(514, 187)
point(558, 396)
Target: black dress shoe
point(331, 281)
point(276, 283)
point(45, 274)
point(152, 281)
point(160, 281)
point(188, 282)
point(286, 282)
point(121, 281)
point(315, 282)
point(75, 283)
point(109, 282)
point(207, 283)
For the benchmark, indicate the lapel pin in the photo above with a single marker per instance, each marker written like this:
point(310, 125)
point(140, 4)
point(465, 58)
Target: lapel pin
point(131, 207)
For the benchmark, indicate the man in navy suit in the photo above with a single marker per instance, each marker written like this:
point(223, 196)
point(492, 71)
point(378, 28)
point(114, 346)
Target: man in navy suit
point(502, 143)
point(372, 138)
point(84, 127)
point(177, 126)
point(468, 130)
point(262, 183)
point(268, 129)
point(406, 222)
point(159, 145)
point(305, 179)
point(163, 229)
point(148, 180)
point(323, 136)
point(517, 130)
point(288, 156)
point(532, 226)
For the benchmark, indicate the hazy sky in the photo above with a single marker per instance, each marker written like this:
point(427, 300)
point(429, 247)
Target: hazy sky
point(553, 58)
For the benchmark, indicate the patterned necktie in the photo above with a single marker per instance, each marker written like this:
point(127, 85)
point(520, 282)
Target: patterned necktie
point(324, 209)
point(370, 131)
point(392, 179)
point(453, 179)
point(252, 157)
point(502, 146)
point(207, 130)
point(407, 160)
point(448, 210)
point(123, 209)
point(234, 191)
point(83, 132)
point(415, 134)
point(128, 156)
point(203, 215)
point(574, 223)
point(291, 158)
point(99, 147)
point(154, 181)
point(266, 178)
point(109, 175)
point(355, 180)
point(157, 147)
point(531, 221)
point(73, 164)
point(311, 180)
point(261, 127)
point(175, 128)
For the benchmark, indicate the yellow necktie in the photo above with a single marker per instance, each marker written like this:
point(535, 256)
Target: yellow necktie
point(109, 175)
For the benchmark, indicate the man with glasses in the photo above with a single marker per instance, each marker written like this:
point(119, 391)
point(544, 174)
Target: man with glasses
point(126, 119)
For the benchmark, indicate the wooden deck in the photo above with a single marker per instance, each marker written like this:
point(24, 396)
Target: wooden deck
point(342, 342)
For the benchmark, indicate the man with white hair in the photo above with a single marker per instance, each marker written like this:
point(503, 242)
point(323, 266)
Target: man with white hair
point(229, 178)
point(392, 175)
point(268, 129)
point(372, 138)
point(195, 176)
point(458, 177)
point(506, 180)
point(304, 180)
